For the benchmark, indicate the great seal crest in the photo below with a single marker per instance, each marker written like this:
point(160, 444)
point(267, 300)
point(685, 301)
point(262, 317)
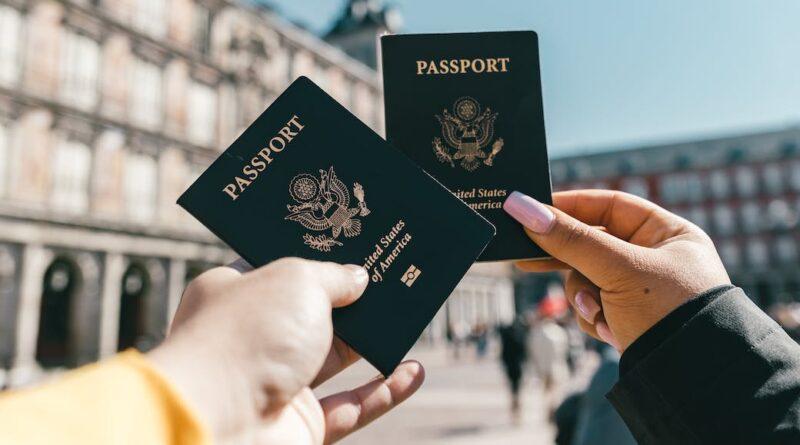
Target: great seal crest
point(323, 204)
point(466, 132)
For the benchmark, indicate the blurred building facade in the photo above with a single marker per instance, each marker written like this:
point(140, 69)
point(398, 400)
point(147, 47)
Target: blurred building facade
point(109, 109)
point(743, 190)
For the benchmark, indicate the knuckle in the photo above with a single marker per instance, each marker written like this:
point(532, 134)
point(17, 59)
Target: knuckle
point(570, 234)
point(200, 286)
point(288, 263)
point(297, 268)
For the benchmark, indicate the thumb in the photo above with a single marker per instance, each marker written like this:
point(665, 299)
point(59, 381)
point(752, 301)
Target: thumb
point(343, 283)
point(591, 251)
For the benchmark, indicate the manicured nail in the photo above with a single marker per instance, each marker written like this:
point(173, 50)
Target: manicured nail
point(586, 305)
point(359, 274)
point(529, 212)
point(605, 333)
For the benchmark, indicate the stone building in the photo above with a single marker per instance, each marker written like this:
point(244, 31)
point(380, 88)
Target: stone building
point(108, 110)
point(743, 190)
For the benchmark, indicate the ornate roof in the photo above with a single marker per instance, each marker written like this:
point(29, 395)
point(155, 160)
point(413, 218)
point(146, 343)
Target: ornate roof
point(365, 14)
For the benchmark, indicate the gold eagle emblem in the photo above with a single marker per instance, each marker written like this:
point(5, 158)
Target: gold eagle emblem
point(467, 131)
point(323, 204)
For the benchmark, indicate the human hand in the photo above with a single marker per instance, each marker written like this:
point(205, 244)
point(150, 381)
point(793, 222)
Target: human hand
point(245, 349)
point(631, 262)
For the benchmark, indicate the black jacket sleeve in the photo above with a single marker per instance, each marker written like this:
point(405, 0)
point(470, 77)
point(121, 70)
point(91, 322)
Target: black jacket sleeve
point(717, 370)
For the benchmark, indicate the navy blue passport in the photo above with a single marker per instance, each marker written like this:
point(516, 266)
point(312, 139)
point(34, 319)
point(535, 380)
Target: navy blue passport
point(467, 108)
point(308, 179)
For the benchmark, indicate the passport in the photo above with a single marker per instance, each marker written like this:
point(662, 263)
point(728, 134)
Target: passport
point(308, 179)
point(467, 108)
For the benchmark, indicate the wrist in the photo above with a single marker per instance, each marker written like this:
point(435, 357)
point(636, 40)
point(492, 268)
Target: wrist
point(668, 326)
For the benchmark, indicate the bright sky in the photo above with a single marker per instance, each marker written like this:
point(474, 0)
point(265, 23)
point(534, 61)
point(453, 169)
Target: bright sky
point(627, 72)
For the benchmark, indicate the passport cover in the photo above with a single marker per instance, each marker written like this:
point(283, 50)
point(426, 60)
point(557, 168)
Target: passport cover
point(308, 179)
point(467, 108)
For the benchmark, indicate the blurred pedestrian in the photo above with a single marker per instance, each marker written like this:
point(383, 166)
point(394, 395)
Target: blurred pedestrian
point(597, 423)
point(480, 335)
point(549, 347)
point(576, 345)
point(512, 355)
point(458, 333)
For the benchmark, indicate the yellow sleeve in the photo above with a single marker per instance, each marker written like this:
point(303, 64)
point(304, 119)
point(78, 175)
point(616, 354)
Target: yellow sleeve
point(122, 400)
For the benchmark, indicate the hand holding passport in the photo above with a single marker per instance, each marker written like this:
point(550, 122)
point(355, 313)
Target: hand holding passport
point(308, 179)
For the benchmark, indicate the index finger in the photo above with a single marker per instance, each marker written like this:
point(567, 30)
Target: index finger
point(622, 214)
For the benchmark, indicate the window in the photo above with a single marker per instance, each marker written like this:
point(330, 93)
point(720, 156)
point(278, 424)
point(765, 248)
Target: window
point(674, 188)
point(303, 65)
point(579, 170)
point(141, 181)
point(786, 249)
point(321, 77)
point(773, 179)
point(636, 186)
point(150, 16)
point(558, 171)
point(80, 61)
point(202, 116)
point(724, 220)
point(746, 182)
point(363, 104)
point(781, 215)
point(694, 187)
point(757, 253)
point(192, 173)
point(337, 85)
point(10, 43)
point(698, 216)
point(751, 217)
point(71, 171)
point(201, 29)
point(277, 73)
point(145, 101)
point(794, 176)
point(730, 254)
point(719, 184)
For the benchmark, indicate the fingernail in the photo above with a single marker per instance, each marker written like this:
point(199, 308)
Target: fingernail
point(586, 305)
point(529, 212)
point(605, 333)
point(359, 274)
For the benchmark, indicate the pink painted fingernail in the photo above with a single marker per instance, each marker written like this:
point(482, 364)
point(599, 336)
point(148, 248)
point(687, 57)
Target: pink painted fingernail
point(529, 212)
point(587, 306)
point(605, 333)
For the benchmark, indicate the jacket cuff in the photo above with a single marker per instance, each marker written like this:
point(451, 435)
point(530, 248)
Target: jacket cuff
point(677, 365)
point(666, 327)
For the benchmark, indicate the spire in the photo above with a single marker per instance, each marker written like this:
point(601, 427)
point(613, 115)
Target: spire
point(359, 25)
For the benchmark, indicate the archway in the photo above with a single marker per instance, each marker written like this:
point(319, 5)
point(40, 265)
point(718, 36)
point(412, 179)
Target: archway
point(193, 269)
point(54, 346)
point(132, 312)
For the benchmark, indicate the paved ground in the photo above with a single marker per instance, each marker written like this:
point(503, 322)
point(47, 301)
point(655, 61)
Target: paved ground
point(462, 402)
